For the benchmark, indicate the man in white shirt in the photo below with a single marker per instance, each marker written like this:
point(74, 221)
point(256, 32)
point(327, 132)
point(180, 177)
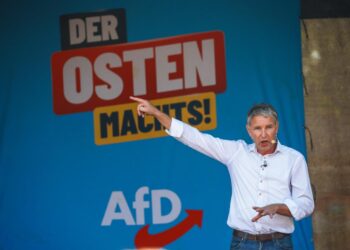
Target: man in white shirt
point(270, 182)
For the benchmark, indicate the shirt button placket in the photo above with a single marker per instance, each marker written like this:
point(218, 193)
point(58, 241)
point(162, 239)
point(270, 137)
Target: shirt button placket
point(257, 225)
point(261, 183)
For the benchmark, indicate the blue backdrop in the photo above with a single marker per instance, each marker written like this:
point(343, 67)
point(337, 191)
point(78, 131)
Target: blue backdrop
point(55, 183)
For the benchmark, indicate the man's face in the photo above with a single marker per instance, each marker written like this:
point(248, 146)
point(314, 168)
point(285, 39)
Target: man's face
point(262, 130)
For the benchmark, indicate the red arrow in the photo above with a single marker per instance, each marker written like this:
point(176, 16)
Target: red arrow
point(145, 240)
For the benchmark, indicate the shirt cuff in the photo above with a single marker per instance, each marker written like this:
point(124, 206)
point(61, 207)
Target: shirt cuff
point(293, 208)
point(176, 128)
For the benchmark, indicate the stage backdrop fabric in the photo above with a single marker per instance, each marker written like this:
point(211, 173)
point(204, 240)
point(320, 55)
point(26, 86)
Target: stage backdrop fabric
point(64, 185)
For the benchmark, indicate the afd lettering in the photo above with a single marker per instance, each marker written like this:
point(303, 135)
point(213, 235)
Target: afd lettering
point(118, 208)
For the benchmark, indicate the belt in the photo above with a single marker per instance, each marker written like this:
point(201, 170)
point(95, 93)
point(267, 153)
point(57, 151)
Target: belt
point(259, 237)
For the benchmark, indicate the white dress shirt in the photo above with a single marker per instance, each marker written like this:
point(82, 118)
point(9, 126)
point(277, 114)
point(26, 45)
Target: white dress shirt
point(257, 180)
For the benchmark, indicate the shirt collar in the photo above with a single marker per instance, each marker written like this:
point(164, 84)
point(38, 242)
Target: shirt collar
point(279, 148)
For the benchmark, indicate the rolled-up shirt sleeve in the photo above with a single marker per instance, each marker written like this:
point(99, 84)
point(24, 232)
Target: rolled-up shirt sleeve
point(301, 204)
point(213, 147)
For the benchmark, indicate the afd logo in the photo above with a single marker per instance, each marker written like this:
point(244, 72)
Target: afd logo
point(118, 209)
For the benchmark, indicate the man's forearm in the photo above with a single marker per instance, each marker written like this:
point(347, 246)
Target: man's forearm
point(283, 210)
point(163, 118)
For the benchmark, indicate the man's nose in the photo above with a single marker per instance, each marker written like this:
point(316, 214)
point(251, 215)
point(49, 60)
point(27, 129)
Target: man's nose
point(263, 133)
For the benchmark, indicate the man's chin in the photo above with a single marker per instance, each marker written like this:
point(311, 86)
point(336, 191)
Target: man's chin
point(264, 148)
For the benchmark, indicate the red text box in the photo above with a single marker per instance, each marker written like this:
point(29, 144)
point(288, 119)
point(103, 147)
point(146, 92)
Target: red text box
point(84, 79)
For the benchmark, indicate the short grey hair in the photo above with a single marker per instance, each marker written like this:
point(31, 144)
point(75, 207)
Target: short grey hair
point(262, 109)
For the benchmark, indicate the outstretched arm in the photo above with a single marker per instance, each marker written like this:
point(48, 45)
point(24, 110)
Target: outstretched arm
point(144, 107)
point(213, 147)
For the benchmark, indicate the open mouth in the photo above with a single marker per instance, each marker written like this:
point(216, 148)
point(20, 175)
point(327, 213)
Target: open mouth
point(264, 143)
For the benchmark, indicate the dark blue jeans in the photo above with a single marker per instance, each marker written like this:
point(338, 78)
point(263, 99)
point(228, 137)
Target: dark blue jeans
point(284, 243)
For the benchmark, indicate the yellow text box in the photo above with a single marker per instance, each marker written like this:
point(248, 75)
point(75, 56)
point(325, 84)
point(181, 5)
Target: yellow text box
point(120, 123)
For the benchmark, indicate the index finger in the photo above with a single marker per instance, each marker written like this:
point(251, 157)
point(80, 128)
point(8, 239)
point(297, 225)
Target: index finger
point(256, 218)
point(137, 99)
